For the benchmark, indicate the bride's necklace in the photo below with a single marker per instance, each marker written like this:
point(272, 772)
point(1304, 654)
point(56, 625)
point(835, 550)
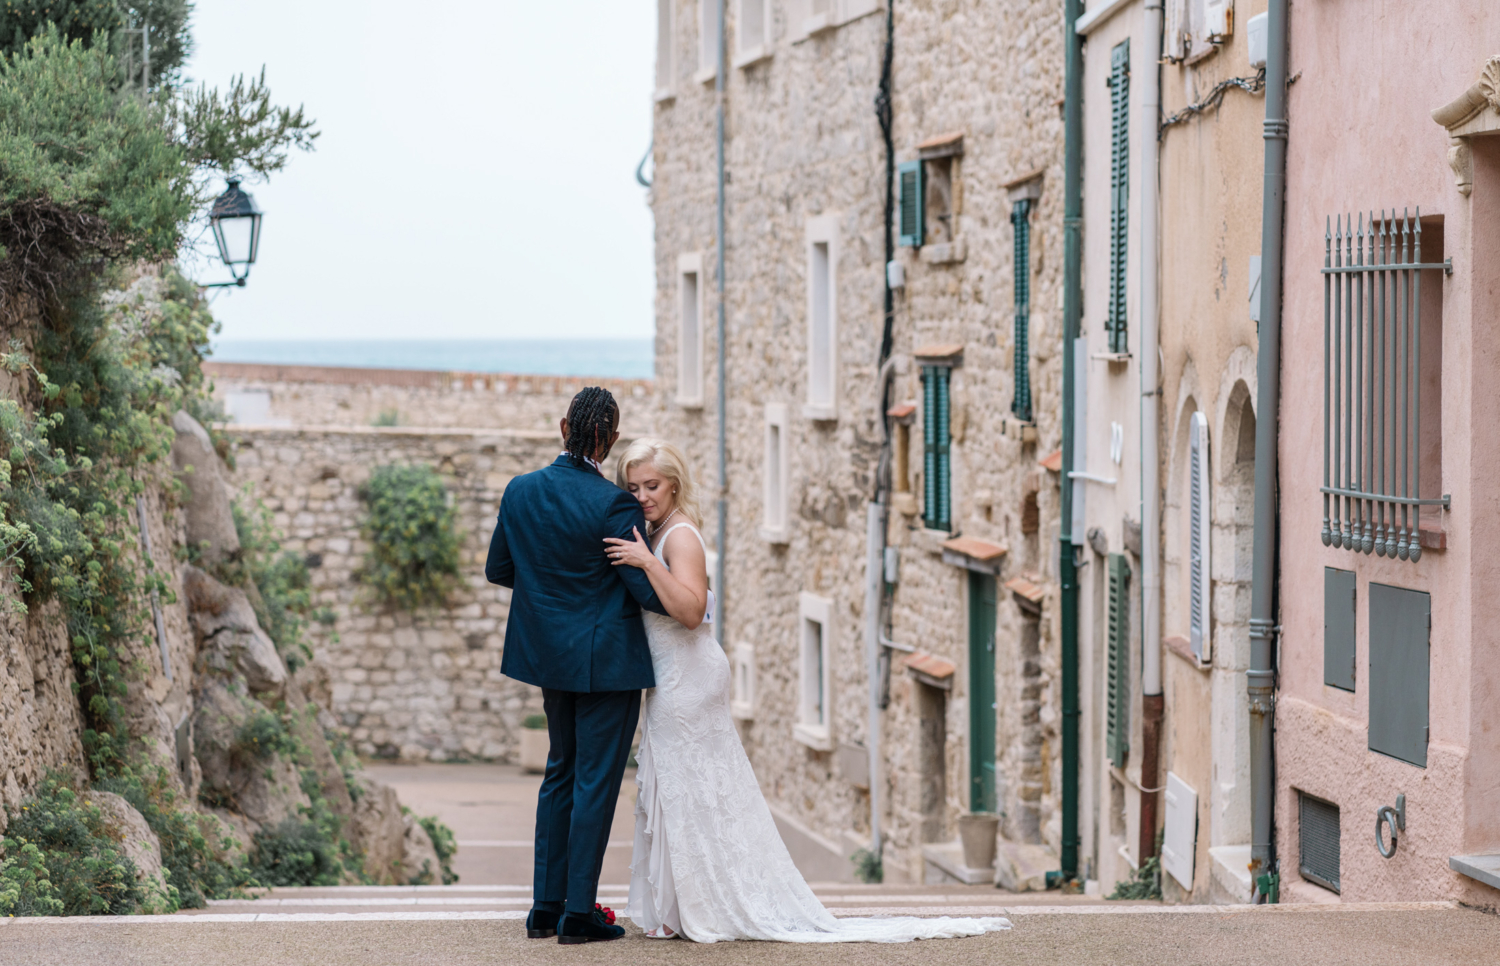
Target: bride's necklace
point(657, 529)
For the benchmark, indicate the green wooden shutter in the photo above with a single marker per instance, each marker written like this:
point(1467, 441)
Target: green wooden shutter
point(909, 217)
point(1020, 219)
point(1119, 193)
point(937, 475)
point(1117, 737)
point(982, 708)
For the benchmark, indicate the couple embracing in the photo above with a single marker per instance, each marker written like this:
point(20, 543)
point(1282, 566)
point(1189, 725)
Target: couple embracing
point(610, 599)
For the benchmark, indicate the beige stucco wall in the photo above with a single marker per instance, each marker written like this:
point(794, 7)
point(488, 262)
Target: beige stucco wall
point(1211, 171)
point(803, 142)
point(1362, 140)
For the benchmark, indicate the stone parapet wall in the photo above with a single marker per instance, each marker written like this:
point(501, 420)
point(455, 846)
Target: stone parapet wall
point(285, 395)
point(423, 685)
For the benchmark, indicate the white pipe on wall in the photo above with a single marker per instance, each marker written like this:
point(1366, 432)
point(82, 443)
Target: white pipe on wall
point(1150, 373)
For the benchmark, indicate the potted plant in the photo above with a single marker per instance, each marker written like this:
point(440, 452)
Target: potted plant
point(977, 831)
point(534, 743)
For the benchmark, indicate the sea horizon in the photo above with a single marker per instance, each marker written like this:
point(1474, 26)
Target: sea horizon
point(606, 358)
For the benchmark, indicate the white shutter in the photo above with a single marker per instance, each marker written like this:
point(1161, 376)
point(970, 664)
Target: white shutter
point(1179, 840)
point(1199, 582)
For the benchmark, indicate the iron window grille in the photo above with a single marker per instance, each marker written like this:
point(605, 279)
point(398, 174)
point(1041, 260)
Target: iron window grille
point(1020, 219)
point(937, 465)
point(1119, 195)
point(1372, 407)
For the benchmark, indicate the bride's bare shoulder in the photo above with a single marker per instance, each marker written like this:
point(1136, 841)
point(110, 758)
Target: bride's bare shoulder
point(684, 546)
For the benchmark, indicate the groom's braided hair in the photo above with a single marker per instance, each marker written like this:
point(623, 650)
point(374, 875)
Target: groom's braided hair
point(592, 418)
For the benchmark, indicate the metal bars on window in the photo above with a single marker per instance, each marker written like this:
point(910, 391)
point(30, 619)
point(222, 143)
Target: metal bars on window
point(1020, 219)
point(1119, 195)
point(1372, 368)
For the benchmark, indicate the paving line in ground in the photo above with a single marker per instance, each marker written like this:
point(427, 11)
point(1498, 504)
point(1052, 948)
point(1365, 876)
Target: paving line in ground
point(518, 844)
point(605, 898)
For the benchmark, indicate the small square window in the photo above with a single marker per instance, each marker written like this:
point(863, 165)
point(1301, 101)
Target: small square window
point(742, 693)
point(774, 517)
point(814, 706)
point(690, 331)
point(822, 318)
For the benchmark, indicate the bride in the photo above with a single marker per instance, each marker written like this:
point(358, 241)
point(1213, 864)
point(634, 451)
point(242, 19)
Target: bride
point(709, 863)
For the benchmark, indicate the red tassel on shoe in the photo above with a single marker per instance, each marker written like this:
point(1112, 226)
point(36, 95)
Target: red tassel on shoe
point(606, 912)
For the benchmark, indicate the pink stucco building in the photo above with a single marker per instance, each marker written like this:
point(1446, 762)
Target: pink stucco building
point(1389, 666)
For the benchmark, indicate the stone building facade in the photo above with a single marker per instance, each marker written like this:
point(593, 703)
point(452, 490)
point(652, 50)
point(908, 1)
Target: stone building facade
point(974, 94)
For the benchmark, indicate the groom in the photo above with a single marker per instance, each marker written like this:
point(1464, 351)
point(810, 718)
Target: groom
point(575, 631)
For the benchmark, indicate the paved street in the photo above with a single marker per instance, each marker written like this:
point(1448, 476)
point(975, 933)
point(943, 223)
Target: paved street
point(479, 920)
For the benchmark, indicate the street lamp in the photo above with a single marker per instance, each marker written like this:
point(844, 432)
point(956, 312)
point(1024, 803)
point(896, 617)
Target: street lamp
point(236, 224)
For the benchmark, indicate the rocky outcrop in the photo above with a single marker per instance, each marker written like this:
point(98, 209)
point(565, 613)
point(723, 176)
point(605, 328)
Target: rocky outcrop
point(209, 520)
point(137, 841)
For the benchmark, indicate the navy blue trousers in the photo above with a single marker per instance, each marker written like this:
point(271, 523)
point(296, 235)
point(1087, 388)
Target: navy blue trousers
point(590, 737)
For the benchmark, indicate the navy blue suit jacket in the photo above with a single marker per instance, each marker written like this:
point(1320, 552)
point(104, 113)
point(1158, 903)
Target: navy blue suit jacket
point(575, 619)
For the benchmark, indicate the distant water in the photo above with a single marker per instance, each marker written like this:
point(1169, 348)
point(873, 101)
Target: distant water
point(612, 358)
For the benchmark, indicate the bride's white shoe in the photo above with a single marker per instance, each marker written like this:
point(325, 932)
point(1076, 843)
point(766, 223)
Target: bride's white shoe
point(661, 932)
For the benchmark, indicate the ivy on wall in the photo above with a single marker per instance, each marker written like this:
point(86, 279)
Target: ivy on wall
point(413, 558)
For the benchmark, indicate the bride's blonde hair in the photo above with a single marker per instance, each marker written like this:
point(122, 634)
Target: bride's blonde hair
point(672, 464)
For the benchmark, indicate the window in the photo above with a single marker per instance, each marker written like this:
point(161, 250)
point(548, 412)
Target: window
point(742, 692)
point(1400, 623)
point(822, 318)
point(909, 209)
point(774, 500)
point(1382, 370)
point(1338, 628)
point(937, 457)
point(1020, 219)
point(814, 699)
point(752, 32)
point(1117, 701)
point(1200, 584)
point(1197, 27)
point(664, 38)
point(708, 40)
point(1318, 841)
point(1119, 195)
point(808, 17)
point(689, 331)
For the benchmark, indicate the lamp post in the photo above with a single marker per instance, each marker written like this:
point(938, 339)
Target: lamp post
point(236, 225)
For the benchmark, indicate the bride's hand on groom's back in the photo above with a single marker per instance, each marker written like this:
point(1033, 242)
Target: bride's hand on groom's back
point(630, 553)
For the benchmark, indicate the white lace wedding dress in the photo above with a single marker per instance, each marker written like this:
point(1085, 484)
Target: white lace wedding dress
point(708, 862)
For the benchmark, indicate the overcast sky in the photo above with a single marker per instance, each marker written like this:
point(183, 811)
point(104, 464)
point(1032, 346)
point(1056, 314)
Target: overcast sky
point(475, 177)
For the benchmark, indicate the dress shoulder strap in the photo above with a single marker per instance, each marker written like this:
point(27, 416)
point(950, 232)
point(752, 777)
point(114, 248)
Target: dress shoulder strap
point(661, 544)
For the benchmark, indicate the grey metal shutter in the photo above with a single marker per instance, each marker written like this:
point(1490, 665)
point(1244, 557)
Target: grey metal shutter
point(1318, 841)
point(1400, 627)
point(1338, 628)
point(1200, 587)
point(1117, 701)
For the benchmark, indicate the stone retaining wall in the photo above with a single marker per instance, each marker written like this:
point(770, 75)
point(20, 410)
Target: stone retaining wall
point(423, 685)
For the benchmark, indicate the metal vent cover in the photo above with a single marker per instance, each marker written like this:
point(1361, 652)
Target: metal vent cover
point(1318, 858)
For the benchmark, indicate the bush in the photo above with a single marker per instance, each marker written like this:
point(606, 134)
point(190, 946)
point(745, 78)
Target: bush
point(261, 738)
point(413, 560)
point(535, 722)
point(1147, 881)
point(444, 843)
point(25, 889)
point(76, 854)
point(296, 852)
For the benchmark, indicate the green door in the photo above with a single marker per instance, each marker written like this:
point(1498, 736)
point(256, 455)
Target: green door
point(981, 692)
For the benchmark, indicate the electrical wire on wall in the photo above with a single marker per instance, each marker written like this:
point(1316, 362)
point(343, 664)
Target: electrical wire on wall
point(1250, 85)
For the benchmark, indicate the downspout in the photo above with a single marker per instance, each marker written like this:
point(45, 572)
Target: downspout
point(1260, 679)
point(1151, 690)
point(876, 511)
point(1067, 570)
point(723, 503)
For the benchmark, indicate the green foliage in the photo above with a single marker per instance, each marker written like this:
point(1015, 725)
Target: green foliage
point(284, 605)
point(25, 883)
point(444, 843)
point(88, 873)
point(535, 722)
point(867, 866)
point(262, 738)
point(241, 128)
point(101, 20)
point(296, 852)
point(1147, 881)
point(387, 417)
point(414, 555)
point(195, 851)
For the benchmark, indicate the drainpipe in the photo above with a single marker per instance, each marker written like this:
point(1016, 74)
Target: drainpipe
point(1261, 677)
point(723, 505)
point(876, 510)
point(1151, 690)
point(1067, 570)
